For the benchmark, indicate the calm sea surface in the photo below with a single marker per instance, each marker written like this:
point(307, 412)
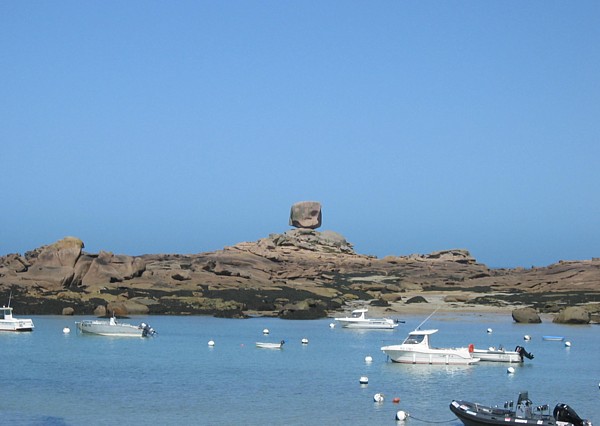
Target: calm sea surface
point(52, 378)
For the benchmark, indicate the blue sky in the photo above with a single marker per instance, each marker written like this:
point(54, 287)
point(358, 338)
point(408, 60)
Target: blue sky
point(187, 126)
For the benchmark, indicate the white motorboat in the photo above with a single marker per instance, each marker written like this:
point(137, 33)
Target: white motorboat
point(266, 345)
point(358, 319)
point(10, 323)
point(112, 327)
point(416, 350)
point(500, 354)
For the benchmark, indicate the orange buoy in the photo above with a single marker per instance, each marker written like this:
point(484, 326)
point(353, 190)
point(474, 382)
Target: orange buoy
point(396, 400)
point(471, 347)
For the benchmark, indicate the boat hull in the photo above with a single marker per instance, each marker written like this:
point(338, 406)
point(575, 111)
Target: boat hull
point(104, 328)
point(268, 345)
point(472, 414)
point(553, 338)
point(460, 356)
point(367, 325)
point(18, 325)
point(497, 356)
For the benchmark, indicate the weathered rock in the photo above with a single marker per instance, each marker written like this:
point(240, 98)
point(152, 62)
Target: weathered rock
point(417, 299)
point(573, 315)
point(63, 253)
point(130, 307)
point(526, 316)
point(68, 311)
point(111, 268)
point(280, 270)
point(456, 298)
point(100, 311)
point(55, 263)
point(306, 214)
point(13, 263)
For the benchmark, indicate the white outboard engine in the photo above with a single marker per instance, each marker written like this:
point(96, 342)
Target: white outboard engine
point(564, 413)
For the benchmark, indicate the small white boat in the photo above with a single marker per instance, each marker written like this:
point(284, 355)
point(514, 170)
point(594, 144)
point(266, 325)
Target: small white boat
point(113, 327)
point(266, 345)
point(416, 350)
point(553, 338)
point(10, 323)
point(500, 354)
point(358, 319)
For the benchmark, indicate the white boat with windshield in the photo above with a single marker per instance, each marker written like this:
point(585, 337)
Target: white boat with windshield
point(112, 327)
point(10, 323)
point(358, 319)
point(416, 349)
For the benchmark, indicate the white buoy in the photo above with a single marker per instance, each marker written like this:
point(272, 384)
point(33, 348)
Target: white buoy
point(378, 397)
point(489, 330)
point(66, 330)
point(568, 344)
point(305, 341)
point(331, 325)
point(510, 370)
point(368, 359)
point(363, 380)
point(401, 415)
point(211, 343)
point(266, 331)
point(527, 337)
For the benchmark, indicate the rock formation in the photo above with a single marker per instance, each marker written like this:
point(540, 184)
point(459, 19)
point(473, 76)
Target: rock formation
point(306, 214)
point(300, 273)
point(573, 315)
point(526, 315)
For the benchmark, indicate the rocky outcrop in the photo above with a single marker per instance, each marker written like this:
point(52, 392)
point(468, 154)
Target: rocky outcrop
point(526, 316)
point(107, 267)
point(300, 273)
point(573, 315)
point(306, 214)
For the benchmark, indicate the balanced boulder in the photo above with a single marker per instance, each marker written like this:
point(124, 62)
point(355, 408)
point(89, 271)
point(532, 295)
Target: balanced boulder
point(306, 214)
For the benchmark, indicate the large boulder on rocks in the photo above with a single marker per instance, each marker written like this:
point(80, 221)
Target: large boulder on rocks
point(68, 311)
point(111, 268)
point(526, 316)
point(62, 253)
point(130, 307)
point(55, 263)
point(573, 315)
point(417, 299)
point(306, 214)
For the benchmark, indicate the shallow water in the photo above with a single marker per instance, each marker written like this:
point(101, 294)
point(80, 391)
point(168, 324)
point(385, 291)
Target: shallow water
point(51, 378)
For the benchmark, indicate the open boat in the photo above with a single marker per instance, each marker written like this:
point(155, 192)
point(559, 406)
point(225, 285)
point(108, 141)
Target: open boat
point(500, 354)
point(266, 345)
point(358, 319)
point(10, 323)
point(553, 338)
point(475, 414)
point(416, 350)
point(113, 327)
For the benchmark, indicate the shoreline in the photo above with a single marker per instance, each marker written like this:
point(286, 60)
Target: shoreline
point(436, 303)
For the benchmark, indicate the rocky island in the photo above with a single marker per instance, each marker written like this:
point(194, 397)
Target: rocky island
point(299, 274)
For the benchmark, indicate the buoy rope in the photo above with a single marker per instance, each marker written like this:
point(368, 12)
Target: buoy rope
point(410, 416)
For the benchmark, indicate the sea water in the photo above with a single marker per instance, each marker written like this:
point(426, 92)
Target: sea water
point(54, 378)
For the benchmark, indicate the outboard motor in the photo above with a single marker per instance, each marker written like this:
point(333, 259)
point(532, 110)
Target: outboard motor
point(147, 330)
point(521, 351)
point(564, 413)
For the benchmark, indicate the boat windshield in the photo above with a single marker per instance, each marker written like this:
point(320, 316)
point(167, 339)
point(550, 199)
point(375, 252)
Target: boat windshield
point(414, 339)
